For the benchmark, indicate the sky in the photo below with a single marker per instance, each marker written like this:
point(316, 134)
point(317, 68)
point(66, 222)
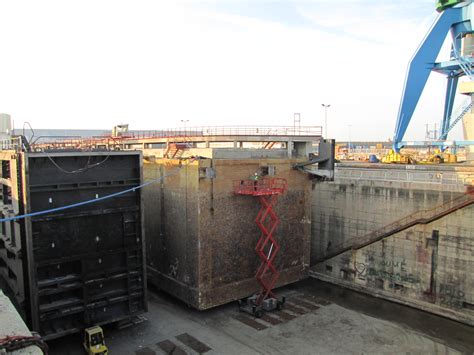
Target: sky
point(92, 64)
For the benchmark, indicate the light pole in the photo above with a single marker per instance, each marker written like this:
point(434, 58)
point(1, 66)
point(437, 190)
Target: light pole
point(326, 119)
point(184, 122)
point(349, 150)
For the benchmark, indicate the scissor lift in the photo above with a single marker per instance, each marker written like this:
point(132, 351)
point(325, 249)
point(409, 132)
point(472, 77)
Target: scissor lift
point(267, 191)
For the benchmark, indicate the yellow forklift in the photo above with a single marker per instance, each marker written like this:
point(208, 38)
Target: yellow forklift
point(94, 342)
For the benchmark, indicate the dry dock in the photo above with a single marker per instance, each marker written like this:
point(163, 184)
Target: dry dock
point(401, 233)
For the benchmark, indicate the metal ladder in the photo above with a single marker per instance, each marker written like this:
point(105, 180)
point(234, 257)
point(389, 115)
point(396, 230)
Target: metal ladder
point(458, 118)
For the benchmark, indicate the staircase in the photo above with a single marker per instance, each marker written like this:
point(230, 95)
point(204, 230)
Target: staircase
point(176, 150)
point(420, 217)
point(268, 145)
point(467, 109)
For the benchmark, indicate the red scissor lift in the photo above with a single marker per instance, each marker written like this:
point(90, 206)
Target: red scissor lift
point(267, 191)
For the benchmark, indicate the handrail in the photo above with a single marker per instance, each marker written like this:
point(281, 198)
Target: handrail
point(200, 131)
point(184, 134)
point(14, 143)
point(259, 187)
point(408, 221)
point(458, 118)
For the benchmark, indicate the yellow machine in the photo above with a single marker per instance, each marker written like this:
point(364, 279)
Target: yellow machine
point(435, 157)
point(94, 343)
point(441, 157)
point(394, 157)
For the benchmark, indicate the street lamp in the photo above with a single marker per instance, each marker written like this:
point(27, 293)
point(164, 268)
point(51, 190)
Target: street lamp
point(184, 122)
point(326, 119)
point(349, 145)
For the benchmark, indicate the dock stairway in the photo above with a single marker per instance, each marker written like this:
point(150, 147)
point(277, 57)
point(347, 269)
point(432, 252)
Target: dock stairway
point(175, 149)
point(419, 217)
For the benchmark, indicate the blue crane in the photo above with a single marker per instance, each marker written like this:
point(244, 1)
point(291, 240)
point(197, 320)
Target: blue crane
point(455, 17)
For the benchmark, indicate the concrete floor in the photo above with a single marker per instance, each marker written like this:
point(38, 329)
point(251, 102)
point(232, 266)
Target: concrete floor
point(320, 319)
point(11, 324)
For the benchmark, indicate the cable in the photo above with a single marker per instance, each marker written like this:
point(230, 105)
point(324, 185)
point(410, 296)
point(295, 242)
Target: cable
point(85, 168)
point(31, 128)
point(78, 204)
point(16, 342)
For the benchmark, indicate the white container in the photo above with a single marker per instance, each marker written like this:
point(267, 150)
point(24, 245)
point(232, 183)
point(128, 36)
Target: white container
point(5, 126)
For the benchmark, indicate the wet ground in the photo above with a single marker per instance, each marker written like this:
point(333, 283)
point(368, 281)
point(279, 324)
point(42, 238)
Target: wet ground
point(319, 318)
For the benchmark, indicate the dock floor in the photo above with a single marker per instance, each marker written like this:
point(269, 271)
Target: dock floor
point(319, 318)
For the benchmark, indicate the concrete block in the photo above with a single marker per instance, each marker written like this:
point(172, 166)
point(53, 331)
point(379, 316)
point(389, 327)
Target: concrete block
point(201, 236)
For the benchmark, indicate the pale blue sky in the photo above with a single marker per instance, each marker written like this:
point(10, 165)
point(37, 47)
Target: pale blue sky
point(93, 64)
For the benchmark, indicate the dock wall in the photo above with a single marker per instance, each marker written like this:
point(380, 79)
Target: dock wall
point(427, 266)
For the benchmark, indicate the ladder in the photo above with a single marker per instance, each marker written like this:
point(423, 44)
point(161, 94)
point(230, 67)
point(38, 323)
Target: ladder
point(458, 118)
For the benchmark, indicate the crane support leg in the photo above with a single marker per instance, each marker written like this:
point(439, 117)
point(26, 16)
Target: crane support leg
point(448, 105)
point(420, 68)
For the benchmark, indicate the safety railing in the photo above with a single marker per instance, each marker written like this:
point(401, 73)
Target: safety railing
point(202, 131)
point(459, 114)
point(401, 224)
point(411, 176)
point(174, 135)
point(11, 144)
point(259, 187)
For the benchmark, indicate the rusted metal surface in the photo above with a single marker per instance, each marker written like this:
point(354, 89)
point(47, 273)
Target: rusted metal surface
point(292, 308)
point(284, 315)
point(250, 322)
point(171, 348)
point(193, 343)
point(270, 319)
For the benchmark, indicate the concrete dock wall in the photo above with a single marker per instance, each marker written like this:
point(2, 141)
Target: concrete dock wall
point(427, 266)
point(13, 325)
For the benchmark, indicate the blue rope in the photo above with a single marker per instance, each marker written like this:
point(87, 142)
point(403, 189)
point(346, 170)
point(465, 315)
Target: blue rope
point(57, 209)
